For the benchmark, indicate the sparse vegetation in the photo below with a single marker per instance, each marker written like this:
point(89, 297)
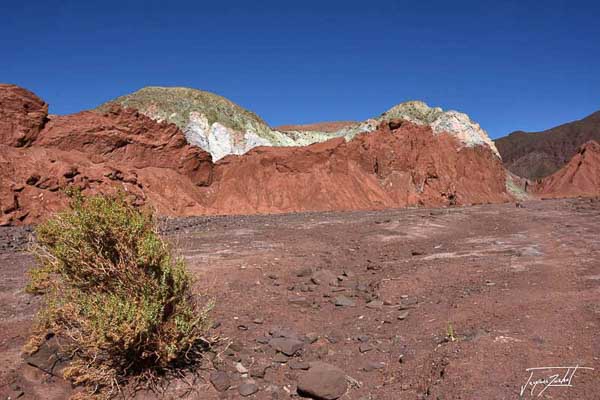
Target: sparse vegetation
point(450, 334)
point(115, 294)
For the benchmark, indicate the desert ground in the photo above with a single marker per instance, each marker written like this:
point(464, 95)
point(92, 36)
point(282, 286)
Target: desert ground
point(452, 303)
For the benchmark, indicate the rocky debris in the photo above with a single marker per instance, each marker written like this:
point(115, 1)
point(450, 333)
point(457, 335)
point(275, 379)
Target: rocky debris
point(322, 381)
point(324, 277)
point(247, 389)
point(220, 380)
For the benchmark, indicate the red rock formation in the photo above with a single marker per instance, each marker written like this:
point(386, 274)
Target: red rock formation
point(22, 115)
point(153, 164)
point(387, 168)
point(580, 177)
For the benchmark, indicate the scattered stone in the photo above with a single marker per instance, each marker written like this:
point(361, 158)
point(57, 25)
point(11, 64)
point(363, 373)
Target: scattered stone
point(364, 347)
point(242, 327)
point(416, 253)
point(287, 346)
point(216, 324)
point(375, 304)
point(403, 315)
point(273, 276)
point(338, 289)
point(363, 338)
point(258, 321)
point(297, 364)
point(239, 367)
point(373, 365)
point(220, 380)
point(343, 301)
point(322, 381)
point(299, 301)
point(324, 277)
point(409, 301)
point(247, 389)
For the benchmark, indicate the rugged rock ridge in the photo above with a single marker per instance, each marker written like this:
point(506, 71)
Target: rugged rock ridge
point(221, 127)
point(535, 155)
point(399, 164)
point(579, 177)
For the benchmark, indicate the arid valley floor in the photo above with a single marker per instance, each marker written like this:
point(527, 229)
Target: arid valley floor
point(519, 286)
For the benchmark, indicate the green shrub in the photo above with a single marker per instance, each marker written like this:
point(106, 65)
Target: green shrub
point(116, 294)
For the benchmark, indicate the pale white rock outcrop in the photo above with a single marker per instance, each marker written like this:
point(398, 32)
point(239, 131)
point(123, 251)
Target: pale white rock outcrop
point(221, 127)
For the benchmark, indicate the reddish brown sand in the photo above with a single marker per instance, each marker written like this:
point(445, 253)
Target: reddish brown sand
point(580, 177)
point(124, 150)
point(520, 287)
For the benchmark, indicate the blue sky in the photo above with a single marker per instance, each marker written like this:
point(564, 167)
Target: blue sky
point(511, 65)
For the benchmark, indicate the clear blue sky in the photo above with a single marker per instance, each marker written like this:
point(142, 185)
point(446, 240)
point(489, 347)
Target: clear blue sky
point(509, 64)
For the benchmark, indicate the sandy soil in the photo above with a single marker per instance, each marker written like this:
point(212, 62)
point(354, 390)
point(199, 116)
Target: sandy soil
point(519, 286)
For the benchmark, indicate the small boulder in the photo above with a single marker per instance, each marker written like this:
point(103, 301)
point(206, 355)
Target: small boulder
point(323, 382)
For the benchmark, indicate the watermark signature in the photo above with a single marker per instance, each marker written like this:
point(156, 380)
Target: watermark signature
point(542, 378)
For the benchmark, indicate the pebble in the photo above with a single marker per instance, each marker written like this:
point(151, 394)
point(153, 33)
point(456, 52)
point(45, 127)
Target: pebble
point(343, 301)
point(364, 347)
point(246, 389)
point(403, 315)
point(240, 368)
point(375, 304)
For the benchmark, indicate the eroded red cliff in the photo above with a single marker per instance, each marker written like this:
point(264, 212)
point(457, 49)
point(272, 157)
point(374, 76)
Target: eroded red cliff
point(400, 164)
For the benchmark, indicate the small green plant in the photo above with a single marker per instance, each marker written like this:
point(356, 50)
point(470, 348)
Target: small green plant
point(450, 334)
point(116, 295)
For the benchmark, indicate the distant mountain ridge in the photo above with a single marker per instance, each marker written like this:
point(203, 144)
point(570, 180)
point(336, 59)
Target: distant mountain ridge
point(222, 127)
point(535, 155)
